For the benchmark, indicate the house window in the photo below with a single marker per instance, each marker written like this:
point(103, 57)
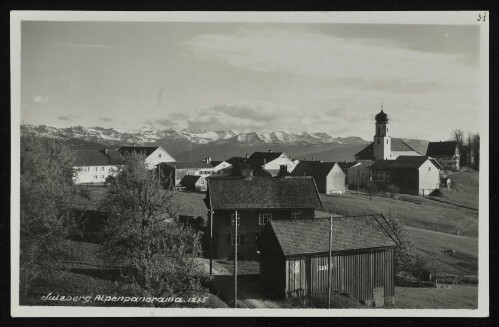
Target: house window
point(296, 215)
point(95, 176)
point(103, 176)
point(386, 141)
point(96, 168)
point(429, 168)
point(263, 218)
point(239, 239)
point(102, 168)
point(159, 155)
point(233, 221)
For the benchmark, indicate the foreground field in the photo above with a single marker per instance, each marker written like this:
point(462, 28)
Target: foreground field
point(422, 213)
point(454, 297)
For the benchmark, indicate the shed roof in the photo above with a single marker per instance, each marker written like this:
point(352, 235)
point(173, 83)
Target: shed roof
point(288, 192)
point(347, 165)
point(95, 158)
point(441, 148)
point(308, 236)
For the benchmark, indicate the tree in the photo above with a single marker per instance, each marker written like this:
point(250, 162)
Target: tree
point(47, 195)
point(475, 147)
point(143, 234)
point(406, 258)
point(458, 136)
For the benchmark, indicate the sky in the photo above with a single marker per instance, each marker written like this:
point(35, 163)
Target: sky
point(252, 76)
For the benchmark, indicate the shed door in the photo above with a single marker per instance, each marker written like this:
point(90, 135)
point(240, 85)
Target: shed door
point(319, 274)
point(296, 278)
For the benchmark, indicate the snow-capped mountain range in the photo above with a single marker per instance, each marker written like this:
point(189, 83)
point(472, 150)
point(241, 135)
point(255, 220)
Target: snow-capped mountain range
point(111, 136)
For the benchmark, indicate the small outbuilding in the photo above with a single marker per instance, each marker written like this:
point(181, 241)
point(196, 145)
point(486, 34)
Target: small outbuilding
point(294, 257)
point(329, 176)
point(195, 183)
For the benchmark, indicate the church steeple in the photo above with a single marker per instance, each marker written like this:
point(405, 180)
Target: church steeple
point(382, 140)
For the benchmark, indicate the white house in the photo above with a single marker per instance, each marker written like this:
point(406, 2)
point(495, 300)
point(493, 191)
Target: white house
point(154, 154)
point(271, 161)
point(357, 174)
point(94, 166)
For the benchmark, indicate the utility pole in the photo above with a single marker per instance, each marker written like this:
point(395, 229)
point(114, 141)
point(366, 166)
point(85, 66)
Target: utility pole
point(211, 242)
point(236, 222)
point(329, 262)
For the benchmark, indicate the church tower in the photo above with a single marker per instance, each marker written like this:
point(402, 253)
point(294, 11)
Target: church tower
point(382, 139)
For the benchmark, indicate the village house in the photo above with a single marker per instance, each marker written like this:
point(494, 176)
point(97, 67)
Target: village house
point(447, 154)
point(328, 176)
point(384, 146)
point(178, 169)
point(357, 174)
point(256, 200)
point(154, 154)
point(220, 168)
point(412, 174)
point(294, 258)
point(94, 166)
point(271, 162)
point(196, 183)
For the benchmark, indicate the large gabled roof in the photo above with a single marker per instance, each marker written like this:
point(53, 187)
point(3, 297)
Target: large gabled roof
point(95, 158)
point(288, 192)
point(347, 165)
point(236, 160)
point(315, 169)
point(309, 236)
point(145, 150)
point(441, 148)
point(381, 165)
point(398, 145)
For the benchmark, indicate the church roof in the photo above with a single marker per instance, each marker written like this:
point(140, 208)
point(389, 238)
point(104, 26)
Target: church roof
point(398, 145)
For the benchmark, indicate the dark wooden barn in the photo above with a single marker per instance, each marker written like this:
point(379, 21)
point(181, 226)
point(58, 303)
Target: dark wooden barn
point(257, 201)
point(294, 257)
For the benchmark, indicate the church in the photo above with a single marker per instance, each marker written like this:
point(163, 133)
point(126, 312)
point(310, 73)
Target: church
point(391, 161)
point(384, 146)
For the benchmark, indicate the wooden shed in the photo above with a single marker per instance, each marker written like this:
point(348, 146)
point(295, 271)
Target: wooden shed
point(294, 257)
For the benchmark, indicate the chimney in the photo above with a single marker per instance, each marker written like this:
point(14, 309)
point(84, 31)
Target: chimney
point(346, 161)
point(206, 160)
point(313, 159)
point(106, 151)
point(209, 159)
point(270, 151)
point(133, 145)
point(247, 155)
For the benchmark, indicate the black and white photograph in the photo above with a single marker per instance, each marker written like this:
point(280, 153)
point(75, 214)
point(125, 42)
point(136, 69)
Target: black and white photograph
point(249, 164)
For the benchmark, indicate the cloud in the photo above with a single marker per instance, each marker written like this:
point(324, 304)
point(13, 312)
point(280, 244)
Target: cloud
point(105, 119)
point(69, 118)
point(41, 99)
point(71, 45)
point(376, 61)
point(161, 123)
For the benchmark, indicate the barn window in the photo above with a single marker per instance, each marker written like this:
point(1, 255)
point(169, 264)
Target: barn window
point(263, 218)
point(159, 155)
point(429, 168)
point(233, 221)
point(386, 141)
point(239, 239)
